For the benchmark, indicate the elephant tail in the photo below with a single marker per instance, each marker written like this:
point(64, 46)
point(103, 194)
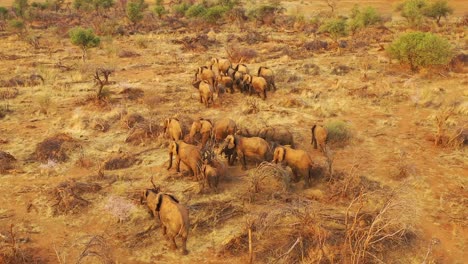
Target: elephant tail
point(314, 139)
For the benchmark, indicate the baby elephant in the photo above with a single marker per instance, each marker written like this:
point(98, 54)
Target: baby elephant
point(319, 137)
point(174, 216)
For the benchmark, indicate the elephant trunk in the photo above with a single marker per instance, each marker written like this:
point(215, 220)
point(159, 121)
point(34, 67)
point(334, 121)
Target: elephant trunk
point(170, 161)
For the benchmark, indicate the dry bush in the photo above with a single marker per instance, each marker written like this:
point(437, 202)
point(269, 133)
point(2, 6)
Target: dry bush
point(55, 148)
point(251, 106)
point(316, 45)
point(11, 251)
point(8, 93)
point(371, 230)
point(127, 54)
point(341, 70)
point(67, 196)
point(131, 120)
point(198, 43)
point(85, 249)
point(268, 179)
point(444, 138)
point(143, 132)
point(119, 161)
point(206, 216)
point(132, 93)
point(311, 69)
point(238, 54)
point(459, 63)
point(31, 80)
point(339, 133)
point(253, 37)
point(100, 124)
point(7, 162)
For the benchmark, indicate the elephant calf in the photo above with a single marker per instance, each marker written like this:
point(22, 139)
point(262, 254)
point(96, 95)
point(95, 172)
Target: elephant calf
point(257, 84)
point(174, 216)
point(212, 172)
point(298, 160)
point(206, 92)
point(269, 76)
point(243, 147)
point(319, 137)
point(222, 128)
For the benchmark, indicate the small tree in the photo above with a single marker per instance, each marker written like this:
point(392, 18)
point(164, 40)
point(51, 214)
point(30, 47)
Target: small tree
point(412, 10)
point(17, 26)
point(135, 11)
point(420, 49)
point(336, 28)
point(20, 7)
point(363, 18)
point(96, 5)
point(159, 8)
point(84, 38)
point(438, 9)
point(101, 78)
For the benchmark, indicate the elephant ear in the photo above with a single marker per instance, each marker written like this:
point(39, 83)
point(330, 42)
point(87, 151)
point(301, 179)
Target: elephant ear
point(196, 84)
point(159, 202)
point(176, 148)
point(173, 198)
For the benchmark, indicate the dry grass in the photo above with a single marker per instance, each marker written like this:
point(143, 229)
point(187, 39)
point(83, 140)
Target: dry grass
point(86, 249)
point(7, 161)
point(119, 161)
point(67, 196)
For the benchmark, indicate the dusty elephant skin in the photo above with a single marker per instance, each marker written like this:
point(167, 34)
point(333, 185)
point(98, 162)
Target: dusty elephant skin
point(299, 161)
point(319, 137)
point(173, 128)
point(187, 154)
point(254, 147)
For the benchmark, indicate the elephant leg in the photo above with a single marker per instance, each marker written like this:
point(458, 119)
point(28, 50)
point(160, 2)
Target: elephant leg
point(201, 98)
point(164, 230)
point(173, 243)
point(178, 164)
point(243, 161)
point(184, 245)
point(306, 174)
point(295, 175)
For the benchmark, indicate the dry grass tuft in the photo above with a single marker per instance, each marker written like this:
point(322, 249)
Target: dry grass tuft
point(143, 132)
point(270, 179)
point(67, 196)
point(55, 148)
point(132, 93)
point(119, 161)
point(198, 43)
point(131, 120)
point(8, 93)
point(240, 54)
point(6, 161)
point(11, 251)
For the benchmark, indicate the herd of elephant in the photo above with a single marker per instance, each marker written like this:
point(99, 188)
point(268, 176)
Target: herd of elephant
point(272, 143)
point(230, 77)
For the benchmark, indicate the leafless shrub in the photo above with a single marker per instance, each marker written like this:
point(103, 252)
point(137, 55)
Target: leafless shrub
point(11, 251)
point(119, 161)
point(369, 231)
point(127, 54)
point(8, 93)
point(31, 80)
point(85, 249)
point(55, 148)
point(252, 106)
point(67, 196)
point(212, 214)
point(238, 54)
point(269, 178)
point(7, 162)
point(143, 132)
point(198, 43)
point(132, 93)
point(316, 45)
point(131, 120)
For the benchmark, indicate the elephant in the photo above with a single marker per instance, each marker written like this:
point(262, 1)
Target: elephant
point(222, 128)
point(269, 76)
point(210, 175)
point(202, 126)
point(257, 84)
point(223, 65)
point(242, 68)
point(277, 134)
point(226, 82)
point(174, 216)
point(206, 92)
point(188, 154)
point(205, 74)
point(254, 147)
point(319, 137)
point(298, 160)
point(173, 128)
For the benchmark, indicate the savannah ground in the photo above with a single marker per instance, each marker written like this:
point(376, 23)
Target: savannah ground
point(390, 112)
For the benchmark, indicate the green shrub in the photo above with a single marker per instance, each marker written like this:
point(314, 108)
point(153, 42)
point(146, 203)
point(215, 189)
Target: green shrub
point(412, 10)
point(181, 8)
point(40, 6)
point(20, 7)
point(87, 5)
point(197, 10)
point(3, 13)
point(135, 11)
point(263, 11)
point(363, 18)
point(17, 26)
point(84, 38)
point(437, 9)
point(215, 13)
point(159, 10)
point(338, 132)
point(420, 49)
point(335, 27)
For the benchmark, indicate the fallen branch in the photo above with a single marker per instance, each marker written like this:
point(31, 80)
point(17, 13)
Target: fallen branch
point(290, 249)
